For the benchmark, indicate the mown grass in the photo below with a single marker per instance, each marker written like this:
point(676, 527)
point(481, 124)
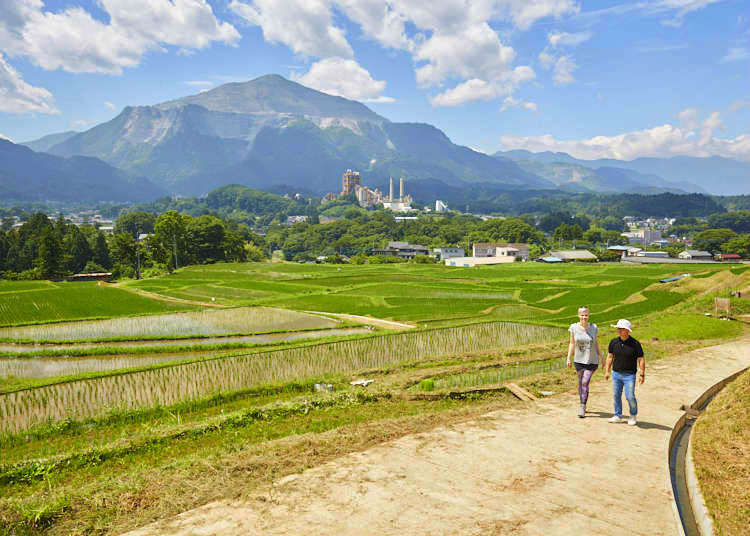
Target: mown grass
point(721, 454)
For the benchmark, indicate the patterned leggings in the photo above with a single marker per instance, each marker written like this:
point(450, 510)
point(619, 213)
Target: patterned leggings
point(584, 377)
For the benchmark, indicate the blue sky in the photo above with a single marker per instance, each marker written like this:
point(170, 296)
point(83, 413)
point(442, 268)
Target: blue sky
point(595, 79)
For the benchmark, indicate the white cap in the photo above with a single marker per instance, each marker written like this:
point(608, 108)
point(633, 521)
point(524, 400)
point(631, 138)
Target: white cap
point(622, 323)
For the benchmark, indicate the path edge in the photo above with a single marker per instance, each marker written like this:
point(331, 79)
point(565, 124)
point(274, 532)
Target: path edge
point(703, 518)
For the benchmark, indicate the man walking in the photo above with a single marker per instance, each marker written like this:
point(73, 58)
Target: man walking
point(624, 358)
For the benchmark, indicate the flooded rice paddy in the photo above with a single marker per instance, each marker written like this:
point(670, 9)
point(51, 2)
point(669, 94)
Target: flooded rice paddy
point(47, 367)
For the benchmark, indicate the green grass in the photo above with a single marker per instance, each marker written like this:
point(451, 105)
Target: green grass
point(85, 472)
point(74, 301)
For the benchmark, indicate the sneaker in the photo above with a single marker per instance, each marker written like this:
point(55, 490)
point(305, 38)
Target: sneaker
point(632, 421)
point(582, 411)
point(615, 419)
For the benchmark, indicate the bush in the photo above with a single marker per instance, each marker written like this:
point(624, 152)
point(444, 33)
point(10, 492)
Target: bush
point(606, 255)
point(424, 259)
point(93, 268)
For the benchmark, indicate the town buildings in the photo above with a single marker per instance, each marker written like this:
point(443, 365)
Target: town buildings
point(402, 249)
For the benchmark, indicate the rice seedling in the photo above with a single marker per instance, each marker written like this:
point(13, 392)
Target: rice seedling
point(214, 322)
point(495, 375)
point(169, 385)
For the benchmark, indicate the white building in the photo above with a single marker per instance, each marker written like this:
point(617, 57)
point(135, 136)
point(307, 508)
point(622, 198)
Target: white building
point(643, 236)
point(449, 252)
point(469, 262)
point(440, 206)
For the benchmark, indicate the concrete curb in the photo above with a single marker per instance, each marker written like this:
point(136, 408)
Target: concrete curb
point(702, 517)
point(700, 512)
point(676, 429)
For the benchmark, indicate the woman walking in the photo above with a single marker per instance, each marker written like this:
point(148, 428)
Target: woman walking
point(584, 348)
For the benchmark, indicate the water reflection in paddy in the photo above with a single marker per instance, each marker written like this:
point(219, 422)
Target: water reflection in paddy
point(246, 339)
point(48, 367)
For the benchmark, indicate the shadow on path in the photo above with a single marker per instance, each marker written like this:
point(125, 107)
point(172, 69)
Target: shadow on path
point(641, 424)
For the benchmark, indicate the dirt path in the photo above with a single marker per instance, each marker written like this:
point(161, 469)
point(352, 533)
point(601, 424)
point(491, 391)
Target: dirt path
point(388, 324)
point(160, 297)
point(538, 470)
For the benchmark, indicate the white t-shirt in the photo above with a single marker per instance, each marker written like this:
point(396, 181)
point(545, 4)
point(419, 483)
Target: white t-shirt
point(585, 352)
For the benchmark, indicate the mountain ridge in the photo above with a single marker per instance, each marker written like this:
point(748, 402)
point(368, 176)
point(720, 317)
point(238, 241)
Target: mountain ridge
point(27, 175)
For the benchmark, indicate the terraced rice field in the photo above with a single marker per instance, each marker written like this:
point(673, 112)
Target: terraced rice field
point(165, 386)
point(189, 324)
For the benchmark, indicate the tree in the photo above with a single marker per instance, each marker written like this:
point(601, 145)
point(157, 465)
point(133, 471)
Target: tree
point(49, 259)
point(4, 246)
point(738, 221)
point(205, 236)
point(553, 220)
point(124, 251)
point(739, 245)
point(135, 223)
point(594, 235)
point(568, 232)
point(253, 253)
point(712, 239)
point(77, 251)
point(171, 235)
point(100, 251)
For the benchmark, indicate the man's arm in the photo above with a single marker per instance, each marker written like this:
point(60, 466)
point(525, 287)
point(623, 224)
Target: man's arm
point(608, 366)
point(641, 369)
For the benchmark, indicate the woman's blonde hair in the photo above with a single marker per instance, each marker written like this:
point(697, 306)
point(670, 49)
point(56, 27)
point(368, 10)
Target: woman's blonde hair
point(582, 309)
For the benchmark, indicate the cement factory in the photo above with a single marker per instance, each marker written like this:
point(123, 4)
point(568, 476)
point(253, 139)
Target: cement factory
point(351, 183)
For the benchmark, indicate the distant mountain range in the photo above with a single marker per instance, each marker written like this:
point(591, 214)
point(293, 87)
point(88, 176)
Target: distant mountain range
point(715, 175)
point(26, 175)
point(272, 131)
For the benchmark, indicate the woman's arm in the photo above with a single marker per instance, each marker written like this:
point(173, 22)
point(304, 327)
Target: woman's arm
point(571, 349)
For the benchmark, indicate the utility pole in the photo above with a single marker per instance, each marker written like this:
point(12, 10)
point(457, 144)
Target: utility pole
point(174, 249)
point(138, 259)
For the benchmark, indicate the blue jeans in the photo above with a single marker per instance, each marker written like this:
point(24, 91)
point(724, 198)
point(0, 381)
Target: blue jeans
point(620, 380)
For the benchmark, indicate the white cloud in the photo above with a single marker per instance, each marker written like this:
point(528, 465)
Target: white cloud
point(80, 124)
point(471, 90)
point(73, 40)
point(688, 119)
point(478, 89)
point(736, 54)
point(739, 105)
point(510, 102)
point(675, 10)
point(680, 9)
point(379, 21)
point(526, 12)
point(19, 97)
point(562, 67)
point(662, 141)
point(474, 52)
point(567, 39)
point(4, 137)
point(199, 83)
point(305, 26)
point(345, 78)
point(110, 105)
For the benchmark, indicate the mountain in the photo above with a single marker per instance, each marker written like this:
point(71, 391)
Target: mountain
point(716, 175)
point(26, 175)
point(44, 144)
point(272, 131)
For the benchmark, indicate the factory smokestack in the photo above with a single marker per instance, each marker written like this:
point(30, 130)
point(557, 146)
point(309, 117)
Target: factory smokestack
point(391, 197)
point(401, 191)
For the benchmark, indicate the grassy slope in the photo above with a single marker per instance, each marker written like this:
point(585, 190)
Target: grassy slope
point(721, 451)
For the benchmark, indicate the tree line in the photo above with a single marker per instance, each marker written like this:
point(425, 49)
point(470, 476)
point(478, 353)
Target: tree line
point(141, 243)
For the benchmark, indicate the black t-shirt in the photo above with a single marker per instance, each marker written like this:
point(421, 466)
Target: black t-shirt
point(626, 354)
